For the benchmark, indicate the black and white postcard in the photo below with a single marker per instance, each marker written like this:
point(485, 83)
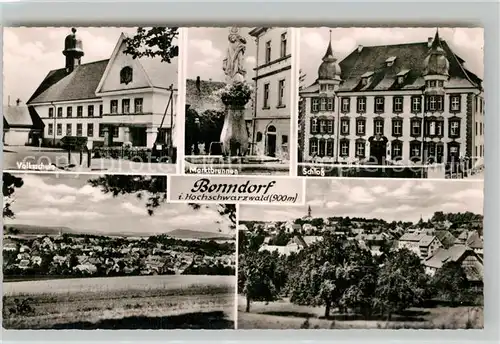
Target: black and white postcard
point(107, 252)
point(90, 99)
point(238, 100)
point(391, 102)
point(364, 254)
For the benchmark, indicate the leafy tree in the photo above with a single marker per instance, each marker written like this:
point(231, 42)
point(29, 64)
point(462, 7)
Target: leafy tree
point(327, 269)
point(259, 276)
point(401, 283)
point(153, 42)
point(281, 239)
point(318, 222)
point(450, 282)
point(10, 184)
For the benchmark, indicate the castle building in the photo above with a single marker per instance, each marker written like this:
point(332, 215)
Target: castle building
point(412, 103)
point(111, 101)
point(270, 123)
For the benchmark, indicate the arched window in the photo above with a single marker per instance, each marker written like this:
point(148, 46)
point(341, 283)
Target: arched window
point(271, 129)
point(126, 75)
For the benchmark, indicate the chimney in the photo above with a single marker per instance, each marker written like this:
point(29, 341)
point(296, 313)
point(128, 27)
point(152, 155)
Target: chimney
point(18, 101)
point(360, 47)
point(429, 41)
point(8, 100)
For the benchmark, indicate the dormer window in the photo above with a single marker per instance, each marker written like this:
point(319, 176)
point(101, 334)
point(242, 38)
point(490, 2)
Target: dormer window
point(390, 61)
point(126, 75)
point(365, 78)
point(401, 76)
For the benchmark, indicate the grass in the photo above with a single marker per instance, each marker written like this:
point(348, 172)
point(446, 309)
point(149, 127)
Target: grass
point(285, 315)
point(142, 302)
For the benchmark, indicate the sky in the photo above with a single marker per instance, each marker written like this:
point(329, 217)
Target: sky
point(388, 199)
point(206, 48)
point(30, 53)
point(467, 43)
point(68, 200)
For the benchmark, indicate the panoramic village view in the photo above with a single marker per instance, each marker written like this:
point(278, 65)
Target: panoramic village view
point(387, 254)
point(108, 252)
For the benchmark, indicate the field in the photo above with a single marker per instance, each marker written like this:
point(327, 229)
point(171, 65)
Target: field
point(138, 302)
point(285, 315)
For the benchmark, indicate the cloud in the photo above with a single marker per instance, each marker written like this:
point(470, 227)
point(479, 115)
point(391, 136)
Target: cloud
point(47, 212)
point(134, 209)
point(94, 194)
point(50, 199)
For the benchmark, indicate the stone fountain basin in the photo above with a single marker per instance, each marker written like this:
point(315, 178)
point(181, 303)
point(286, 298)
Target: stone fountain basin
point(221, 160)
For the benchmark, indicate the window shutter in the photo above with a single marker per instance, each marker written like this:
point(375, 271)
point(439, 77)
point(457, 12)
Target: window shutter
point(310, 146)
point(311, 125)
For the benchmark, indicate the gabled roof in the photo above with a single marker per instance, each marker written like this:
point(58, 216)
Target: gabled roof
point(201, 98)
point(446, 238)
point(457, 253)
point(58, 85)
point(474, 241)
point(17, 116)
point(408, 61)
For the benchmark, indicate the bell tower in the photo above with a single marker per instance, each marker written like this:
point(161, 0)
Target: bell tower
point(73, 51)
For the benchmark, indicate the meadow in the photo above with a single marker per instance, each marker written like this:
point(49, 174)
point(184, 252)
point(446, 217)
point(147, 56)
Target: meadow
point(135, 302)
point(285, 315)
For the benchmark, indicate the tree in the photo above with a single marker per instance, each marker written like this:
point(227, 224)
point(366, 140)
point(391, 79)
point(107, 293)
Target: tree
point(401, 282)
point(151, 188)
point(327, 270)
point(450, 282)
point(317, 222)
point(259, 277)
point(10, 184)
point(153, 42)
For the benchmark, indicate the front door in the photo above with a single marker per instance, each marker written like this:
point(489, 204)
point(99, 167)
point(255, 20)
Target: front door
point(271, 145)
point(377, 152)
point(138, 136)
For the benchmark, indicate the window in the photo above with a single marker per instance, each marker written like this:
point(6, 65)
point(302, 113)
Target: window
point(79, 111)
point(379, 105)
point(329, 148)
point(69, 129)
point(321, 148)
point(51, 112)
point(344, 148)
point(360, 148)
point(322, 103)
point(397, 105)
point(432, 128)
point(416, 127)
point(266, 96)
point(314, 104)
point(323, 87)
point(378, 127)
point(454, 128)
point(331, 88)
point(477, 126)
point(401, 79)
point(90, 129)
point(440, 83)
point(268, 52)
point(59, 129)
point(114, 106)
point(284, 139)
point(283, 45)
point(434, 103)
point(329, 125)
point(50, 129)
point(59, 112)
point(360, 126)
point(454, 103)
point(329, 104)
point(281, 92)
point(416, 104)
point(79, 129)
point(415, 147)
point(126, 75)
point(397, 127)
point(344, 126)
point(101, 110)
point(69, 112)
point(432, 83)
point(314, 125)
point(397, 150)
point(125, 105)
point(101, 130)
point(322, 126)
point(439, 128)
point(313, 146)
point(346, 105)
point(138, 105)
point(115, 131)
point(90, 111)
point(361, 104)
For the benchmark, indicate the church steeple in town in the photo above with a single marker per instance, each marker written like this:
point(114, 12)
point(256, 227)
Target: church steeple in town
point(309, 211)
point(436, 67)
point(73, 51)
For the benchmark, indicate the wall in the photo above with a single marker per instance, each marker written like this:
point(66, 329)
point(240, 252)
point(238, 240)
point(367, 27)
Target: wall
point(16, 136)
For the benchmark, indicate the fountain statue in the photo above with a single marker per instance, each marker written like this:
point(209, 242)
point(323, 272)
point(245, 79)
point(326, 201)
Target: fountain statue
point(235, 96)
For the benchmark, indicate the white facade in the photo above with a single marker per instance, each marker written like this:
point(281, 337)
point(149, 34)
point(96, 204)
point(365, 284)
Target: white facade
point(270, 130)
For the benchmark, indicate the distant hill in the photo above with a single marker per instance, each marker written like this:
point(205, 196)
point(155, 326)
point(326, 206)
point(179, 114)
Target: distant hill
point(39, 230)
point(191, 234)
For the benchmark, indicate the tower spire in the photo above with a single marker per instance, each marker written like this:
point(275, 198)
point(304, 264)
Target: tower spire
point(329, 51)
